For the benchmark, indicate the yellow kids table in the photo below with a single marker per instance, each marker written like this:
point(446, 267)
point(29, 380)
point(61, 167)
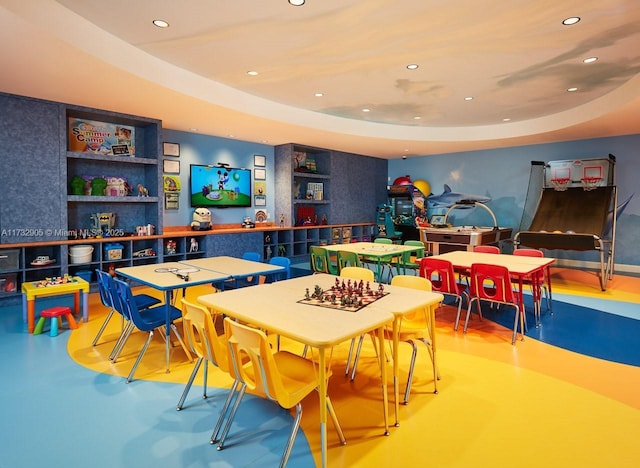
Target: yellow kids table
point(33, 289)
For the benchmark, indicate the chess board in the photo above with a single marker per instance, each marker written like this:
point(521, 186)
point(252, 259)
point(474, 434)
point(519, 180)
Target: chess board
point(346, 295)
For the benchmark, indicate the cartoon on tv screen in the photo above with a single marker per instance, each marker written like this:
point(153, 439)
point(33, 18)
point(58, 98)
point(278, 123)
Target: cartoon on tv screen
point(219, 186)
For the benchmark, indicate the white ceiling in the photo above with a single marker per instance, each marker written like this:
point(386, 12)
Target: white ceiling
point(514, 57)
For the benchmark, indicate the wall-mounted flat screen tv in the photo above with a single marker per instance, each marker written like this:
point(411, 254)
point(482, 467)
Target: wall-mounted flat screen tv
point(219, 187)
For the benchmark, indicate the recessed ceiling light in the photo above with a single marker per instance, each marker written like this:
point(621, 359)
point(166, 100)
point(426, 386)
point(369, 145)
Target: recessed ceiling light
point(571, 90)
point(297, 2)
point(412, 66)
point(571, 20)
point(417, 117)
point(161, 23)
point(366, 110)
point(319, 94)
point(252, 73)
point(506, 119)
point(590, 60)
point(469, 98)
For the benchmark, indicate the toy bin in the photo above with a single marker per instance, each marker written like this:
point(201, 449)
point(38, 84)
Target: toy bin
point(113, 251)
point(80, 254)
point(8, 284)
point(9, 259)
point(84, 274)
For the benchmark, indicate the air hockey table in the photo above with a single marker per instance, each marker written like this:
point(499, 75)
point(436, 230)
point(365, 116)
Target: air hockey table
point(441, 240)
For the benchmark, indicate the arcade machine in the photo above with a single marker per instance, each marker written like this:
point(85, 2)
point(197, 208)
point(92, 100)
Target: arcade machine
point(405, 209)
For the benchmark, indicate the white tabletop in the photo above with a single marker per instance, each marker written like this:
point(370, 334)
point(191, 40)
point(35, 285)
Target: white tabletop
point(400, 301)
point(234, 267)
point(372, 249)
point(518, 265)
point(164, 281)
point(275, 307)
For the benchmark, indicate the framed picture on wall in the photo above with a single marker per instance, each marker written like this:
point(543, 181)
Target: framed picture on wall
point(260, 200)
point(260, 174)
point(171, 201)
point(169, 166)
point(171, 149)
point(259, 160)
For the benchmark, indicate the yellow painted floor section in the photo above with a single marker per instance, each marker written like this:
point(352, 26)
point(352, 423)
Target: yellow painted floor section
point(528, 405)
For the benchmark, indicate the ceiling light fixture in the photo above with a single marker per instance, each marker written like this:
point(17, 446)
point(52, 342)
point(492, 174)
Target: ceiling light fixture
point(571, 90)
point(297, 2)
point(506, 119)
point(160, 23)
point(571, 20)
point(252, 73)
point(417, 117)
point(590, 60)
point(319, 94)
point(412, 66)
point(469, 98)
point(366, 110)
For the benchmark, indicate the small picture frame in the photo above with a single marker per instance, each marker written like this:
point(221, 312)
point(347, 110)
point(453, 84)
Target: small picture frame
point(260, 200)
point(259, 174)
point(171, 149)
point(169, 166)
point(171, 201)
point(259, 160)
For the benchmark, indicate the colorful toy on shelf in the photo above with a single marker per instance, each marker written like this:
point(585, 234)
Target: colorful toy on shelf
point(201, 220)
point(42, 260)
point(103, 222)
point(142, 191)
point(144, 253)
point(193, 245)
point(77, 185)
point(170, 247)
point(55, 281)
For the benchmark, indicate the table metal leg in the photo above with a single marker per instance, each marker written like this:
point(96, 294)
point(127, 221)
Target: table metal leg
point(85, 306)
point(167, 305)
point(396, 385)
point(383, 375)
point(322, 392)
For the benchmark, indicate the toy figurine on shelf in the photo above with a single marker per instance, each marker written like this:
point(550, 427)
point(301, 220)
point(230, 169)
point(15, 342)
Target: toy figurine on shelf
point(142, 191)
point(194, 245)
point(201, 220)
point(171, 247)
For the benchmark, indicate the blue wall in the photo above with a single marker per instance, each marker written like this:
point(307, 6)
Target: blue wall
point(203, 149)
point(503, 175)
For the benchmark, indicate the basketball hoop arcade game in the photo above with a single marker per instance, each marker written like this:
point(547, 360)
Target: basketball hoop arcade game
point(575, 209)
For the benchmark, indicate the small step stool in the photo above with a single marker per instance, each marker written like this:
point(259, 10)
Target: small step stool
point(55, 313)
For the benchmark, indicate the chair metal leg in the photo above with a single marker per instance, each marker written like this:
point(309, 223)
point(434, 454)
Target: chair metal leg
point(187, 387)
point(234, 409)
point(122, 340)
point(356, 357)
point(104, 325)
point(292, 436)
point(346, 370)
point(336, 423)
point(144, 349)
point(412, 364)
point(184, 346)
point(459, 301)
point(223, 412)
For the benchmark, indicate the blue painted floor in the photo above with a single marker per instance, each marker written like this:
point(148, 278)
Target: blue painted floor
point(56, 413)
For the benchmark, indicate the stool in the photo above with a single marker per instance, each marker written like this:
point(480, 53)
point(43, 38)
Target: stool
point(54, 313)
